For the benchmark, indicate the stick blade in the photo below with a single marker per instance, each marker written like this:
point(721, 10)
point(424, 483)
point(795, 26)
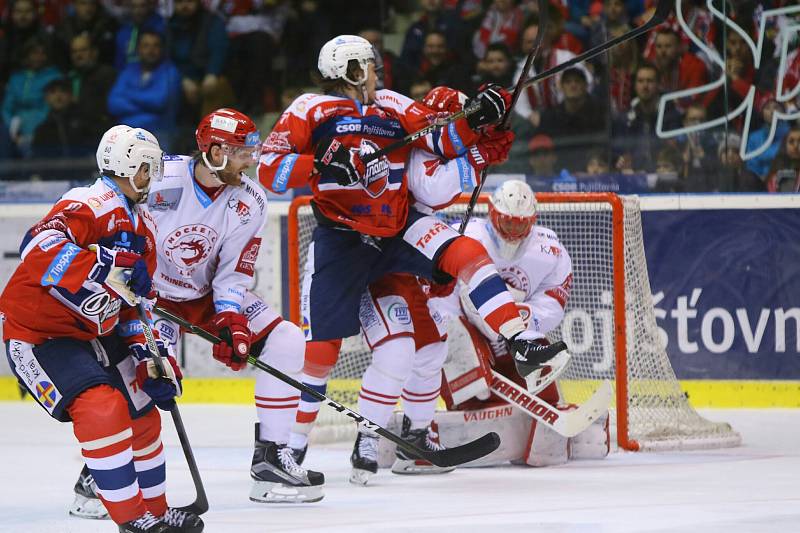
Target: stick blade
point(198, 507)
point(466, 452)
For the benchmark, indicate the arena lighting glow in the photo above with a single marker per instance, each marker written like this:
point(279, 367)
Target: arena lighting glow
point(748, 103)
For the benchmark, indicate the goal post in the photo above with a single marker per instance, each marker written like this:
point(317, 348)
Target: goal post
point(609, 322)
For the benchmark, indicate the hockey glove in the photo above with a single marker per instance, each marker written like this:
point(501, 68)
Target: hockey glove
point(125, 273)
point(162, 389)
point(494, 103)
point(335, 161)
point(234, 331)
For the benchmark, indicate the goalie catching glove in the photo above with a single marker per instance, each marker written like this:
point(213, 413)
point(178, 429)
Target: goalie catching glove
point(163, 389)
point(125, 273)
point(335, 161)
point(234, 331)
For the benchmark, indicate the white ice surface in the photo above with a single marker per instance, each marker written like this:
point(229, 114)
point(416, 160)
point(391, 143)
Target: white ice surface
point(753, 488)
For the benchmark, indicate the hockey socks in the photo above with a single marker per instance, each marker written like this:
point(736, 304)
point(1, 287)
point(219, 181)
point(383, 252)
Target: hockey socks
point(467, 260)
point(320, 358)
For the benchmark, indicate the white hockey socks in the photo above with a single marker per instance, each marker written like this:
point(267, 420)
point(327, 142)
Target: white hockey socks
point(421, 390)
point(384, 378)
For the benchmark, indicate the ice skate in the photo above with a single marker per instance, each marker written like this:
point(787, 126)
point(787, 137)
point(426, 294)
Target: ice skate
point(147, 523)
point(181, 521)
point(364, 459)
point(277, 478)
point(87, 504)
point(425, 438)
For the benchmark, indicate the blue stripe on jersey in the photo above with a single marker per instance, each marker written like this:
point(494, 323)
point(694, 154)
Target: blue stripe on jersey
point(396, 175)
point(152, 477)
point(455, 138)
point(129, 328)
point(226, 305)
point(202, 197)
point(488, 289)
point(368, 126)
point(116, 478)
point(58, 267)
point(283, 173)
point(465, 172)
point(25, 240)
point(435, 138)
point(306, 397)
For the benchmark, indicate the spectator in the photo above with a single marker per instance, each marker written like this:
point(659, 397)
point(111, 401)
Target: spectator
point(433, 18)
point(198, 48)
point(65, 132)
point(496, 66)
point(254, 29)
point(91, 82)
point(576, 124)
point(740, 76)
point(698, 149)
point(307, 29)
point(542, 158)
point(558, 36)
point(611, 15)
point(394, 73)
point(622, 64)
point(24, 107)
point(141, 17)
point(597, 163)
point(634, 134)
point(677, 69)
point(419, 88)
point(147, 92)
point(23, 24)
point(668, 170)
point(545, 94)
point(90, 17)
point(733, 175)
point(784, 174)
point(760, 164)
point(439, 67)
point(501, 24)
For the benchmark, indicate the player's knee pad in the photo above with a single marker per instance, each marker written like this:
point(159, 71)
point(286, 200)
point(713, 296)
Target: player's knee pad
point(99, 412)
point(462, 258)
point(320, 357)
point(429, 359)
point(284, 348)
point(394, 358)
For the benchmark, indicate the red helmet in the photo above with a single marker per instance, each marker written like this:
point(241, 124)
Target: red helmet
point(226, 127)
point(445, 99)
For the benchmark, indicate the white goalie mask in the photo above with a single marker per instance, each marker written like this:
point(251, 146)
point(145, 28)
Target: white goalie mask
point(339, 51)
point(512, 214)
point(124, 149)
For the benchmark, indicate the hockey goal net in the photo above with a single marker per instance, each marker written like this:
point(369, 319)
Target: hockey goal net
point(609, 325)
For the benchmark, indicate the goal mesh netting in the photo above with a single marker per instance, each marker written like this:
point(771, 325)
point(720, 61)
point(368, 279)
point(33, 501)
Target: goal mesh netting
point(609, 325)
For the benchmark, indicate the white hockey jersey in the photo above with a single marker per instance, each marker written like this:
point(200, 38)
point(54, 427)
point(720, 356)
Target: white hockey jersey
point(435, 182)
point(205, 245)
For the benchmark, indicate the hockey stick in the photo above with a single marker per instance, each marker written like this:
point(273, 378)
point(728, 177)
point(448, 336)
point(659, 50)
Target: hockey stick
point(200, 504)
point(663, 9)
point(537, 45)
point(447, 457)
point(566, 423)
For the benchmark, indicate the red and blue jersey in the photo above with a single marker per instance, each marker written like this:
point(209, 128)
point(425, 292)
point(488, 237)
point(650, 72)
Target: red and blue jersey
point(50, 295)
point(378, 204)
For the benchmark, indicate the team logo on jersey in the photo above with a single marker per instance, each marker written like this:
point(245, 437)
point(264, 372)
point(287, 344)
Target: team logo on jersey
point(241, 209)
point(398, 313)
point(376, 175)
point(515, 277)
point(278, 141)
point(189, 246)
point(47, 393)
point(247, 261)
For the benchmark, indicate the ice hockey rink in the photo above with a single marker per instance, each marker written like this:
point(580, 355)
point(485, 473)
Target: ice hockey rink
point(752, 488)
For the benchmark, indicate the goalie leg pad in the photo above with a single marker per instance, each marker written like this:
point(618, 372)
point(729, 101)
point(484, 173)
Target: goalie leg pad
point(592, 443)
point(467, 368)
point(545, 447)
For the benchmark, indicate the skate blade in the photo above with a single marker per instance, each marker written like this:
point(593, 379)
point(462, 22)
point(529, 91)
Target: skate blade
point(418, 467)
point(360, 477)
point(88, 508)
point(269, 492)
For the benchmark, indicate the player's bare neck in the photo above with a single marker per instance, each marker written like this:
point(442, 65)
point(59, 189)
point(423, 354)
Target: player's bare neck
point(205, 177)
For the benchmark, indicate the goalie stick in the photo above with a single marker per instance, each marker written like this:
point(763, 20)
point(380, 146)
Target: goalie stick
point(537, 45)
point(200, 504)
point(447, 457)
point(566, 423)
point(663, 9)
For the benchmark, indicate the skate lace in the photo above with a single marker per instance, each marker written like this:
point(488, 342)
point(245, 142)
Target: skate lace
point(286, 457)
point(175, 517)
point(432, 440)
point(146, 520)
point(368, 447)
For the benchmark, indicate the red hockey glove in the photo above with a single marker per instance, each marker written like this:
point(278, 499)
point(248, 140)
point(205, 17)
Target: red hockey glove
point(334, 160)
point(162, 389)
point(234, 331)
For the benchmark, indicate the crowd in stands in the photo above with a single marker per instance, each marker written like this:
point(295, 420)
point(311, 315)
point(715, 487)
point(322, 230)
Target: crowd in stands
point(69, 69)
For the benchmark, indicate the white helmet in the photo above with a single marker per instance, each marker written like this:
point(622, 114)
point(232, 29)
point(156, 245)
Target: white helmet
point(512, 214)
point(124, 149)
point(337, 53)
